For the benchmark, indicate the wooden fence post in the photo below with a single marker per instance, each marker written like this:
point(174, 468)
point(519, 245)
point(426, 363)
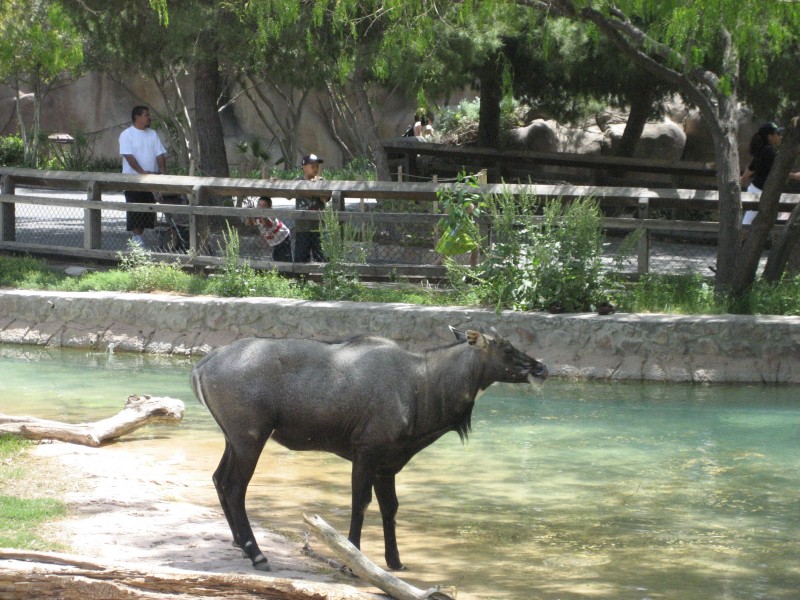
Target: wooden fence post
point(8, 226)
point(92, 218)
point(644, 241)
point(483, 227)
point(198, 225)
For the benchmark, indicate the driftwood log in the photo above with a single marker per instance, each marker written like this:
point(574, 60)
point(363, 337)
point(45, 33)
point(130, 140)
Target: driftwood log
point(35, 575)
point(365, 568)
point(138, 412)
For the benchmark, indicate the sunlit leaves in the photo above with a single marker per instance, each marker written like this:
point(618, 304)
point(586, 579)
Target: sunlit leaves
point(37, 40)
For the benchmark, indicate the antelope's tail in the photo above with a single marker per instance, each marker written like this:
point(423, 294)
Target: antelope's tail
point(198, 387)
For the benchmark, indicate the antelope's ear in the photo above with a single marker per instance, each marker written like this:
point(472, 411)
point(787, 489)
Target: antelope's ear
point(496, 334)
point(460, 335)
point(476, 339)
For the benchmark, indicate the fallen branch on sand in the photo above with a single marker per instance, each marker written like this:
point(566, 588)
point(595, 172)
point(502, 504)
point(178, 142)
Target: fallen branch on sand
point(138, 412)
point(365, 568)
point(35, 575)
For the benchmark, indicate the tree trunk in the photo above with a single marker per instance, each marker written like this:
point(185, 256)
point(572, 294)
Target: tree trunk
point(34, 575)
point(730, 200)
point(138, 412)
point(783, 244)
point(641, 108)
point(213, 160)
point(491, 94)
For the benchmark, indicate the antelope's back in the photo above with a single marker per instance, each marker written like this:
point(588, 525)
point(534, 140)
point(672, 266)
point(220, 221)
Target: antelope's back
point(293, 373)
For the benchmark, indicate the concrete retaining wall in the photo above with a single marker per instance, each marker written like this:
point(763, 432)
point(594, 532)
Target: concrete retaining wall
point(624, 346)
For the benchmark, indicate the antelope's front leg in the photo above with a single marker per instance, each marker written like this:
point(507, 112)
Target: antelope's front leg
point(387, 500)
point(361, 483)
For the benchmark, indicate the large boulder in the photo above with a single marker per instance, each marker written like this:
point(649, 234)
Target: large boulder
point(539, 136)
point(665, 140)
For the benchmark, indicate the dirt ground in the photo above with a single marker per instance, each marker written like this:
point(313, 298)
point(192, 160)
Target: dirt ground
point(124, 509)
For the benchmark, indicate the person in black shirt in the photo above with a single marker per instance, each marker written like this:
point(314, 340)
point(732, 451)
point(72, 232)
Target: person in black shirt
point(764, 149)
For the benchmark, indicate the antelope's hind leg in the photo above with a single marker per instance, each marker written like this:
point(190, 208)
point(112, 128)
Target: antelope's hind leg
point(219, 476)
point(231, 480)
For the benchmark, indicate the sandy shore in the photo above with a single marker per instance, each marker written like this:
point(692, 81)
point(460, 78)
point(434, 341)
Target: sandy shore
point(129, 509)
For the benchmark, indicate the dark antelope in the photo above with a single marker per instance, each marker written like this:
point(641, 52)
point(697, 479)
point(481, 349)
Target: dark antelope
point(365, 399)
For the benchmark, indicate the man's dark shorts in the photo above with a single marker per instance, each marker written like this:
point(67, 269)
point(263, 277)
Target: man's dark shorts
point(137, 220)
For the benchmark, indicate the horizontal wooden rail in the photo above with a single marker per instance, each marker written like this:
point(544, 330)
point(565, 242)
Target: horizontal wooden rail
point(491, 156)
point(199, 189)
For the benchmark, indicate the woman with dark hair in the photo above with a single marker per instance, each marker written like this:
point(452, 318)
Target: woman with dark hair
point(763, 148)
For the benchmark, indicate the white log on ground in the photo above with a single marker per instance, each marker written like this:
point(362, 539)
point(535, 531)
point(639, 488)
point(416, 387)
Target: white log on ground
point(138, 412)
point(33, 575)
point(365, 568)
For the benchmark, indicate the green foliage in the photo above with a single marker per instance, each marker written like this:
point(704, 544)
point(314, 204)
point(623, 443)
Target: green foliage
point(142, 274)
point(503, 280)
point(458, 125)
point(686, 293)
point(779, 298)
point(344, 246)
point(12, 151)
point(39, 46)
point(28, 273)
point(237, 275)
point(463, 206)
point(253, 156)
point(75, 156)
point(537, 262)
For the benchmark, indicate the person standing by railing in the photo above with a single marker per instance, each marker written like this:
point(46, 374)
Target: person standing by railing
point(142, 153)
point(307, 237)
point(764, 149)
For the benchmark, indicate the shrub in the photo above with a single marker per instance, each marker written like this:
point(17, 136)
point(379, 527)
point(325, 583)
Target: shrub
point(12, 151)
point(139, 273)
point(459, 231)
point(775, 298)
point(238, 276)
point(344, 247)
point(458, 125)
point(548, 261)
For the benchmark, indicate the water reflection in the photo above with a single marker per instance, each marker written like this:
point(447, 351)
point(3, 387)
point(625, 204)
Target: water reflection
point(584, 490)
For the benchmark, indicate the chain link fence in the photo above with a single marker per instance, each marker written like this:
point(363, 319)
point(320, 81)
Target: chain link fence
point(402, 243)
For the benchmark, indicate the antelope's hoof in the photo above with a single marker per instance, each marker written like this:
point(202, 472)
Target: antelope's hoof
point(260, 563)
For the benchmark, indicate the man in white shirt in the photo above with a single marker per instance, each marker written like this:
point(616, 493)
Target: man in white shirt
point(142, 153)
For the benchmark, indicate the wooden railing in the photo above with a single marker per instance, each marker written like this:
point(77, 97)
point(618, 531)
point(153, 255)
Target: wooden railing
point(200, 189)
point(506, 165)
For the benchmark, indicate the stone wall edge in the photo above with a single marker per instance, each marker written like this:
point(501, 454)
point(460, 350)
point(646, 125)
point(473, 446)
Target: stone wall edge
point(657, 347)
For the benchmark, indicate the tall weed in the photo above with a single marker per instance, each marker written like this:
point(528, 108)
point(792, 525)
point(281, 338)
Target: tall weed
point(684, 293)
point(344, 246)
point(543, 256)
point(237, 279)
point(142, 274)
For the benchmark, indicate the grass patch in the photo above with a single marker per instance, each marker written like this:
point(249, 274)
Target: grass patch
point(687, 293)
point(21, 518)
point(675, 294)
point(11, 446)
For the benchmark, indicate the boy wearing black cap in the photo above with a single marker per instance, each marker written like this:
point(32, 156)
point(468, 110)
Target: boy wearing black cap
point(307, 240)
